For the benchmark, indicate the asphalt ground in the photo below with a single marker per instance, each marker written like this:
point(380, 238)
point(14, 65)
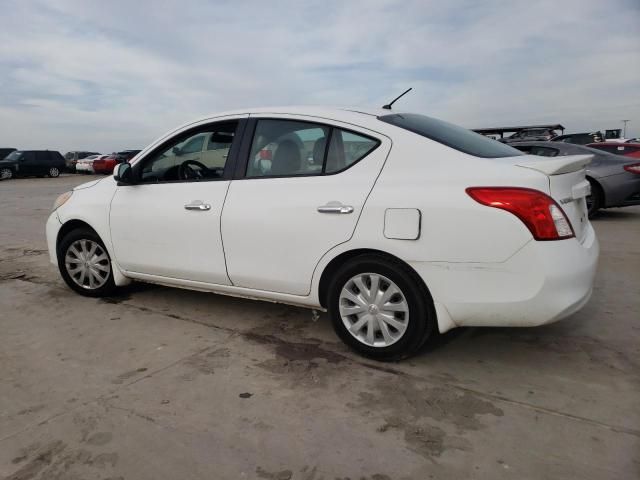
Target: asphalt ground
point(159, 383)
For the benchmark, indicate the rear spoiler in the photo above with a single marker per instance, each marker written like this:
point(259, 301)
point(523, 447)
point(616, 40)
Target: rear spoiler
point(558, 165)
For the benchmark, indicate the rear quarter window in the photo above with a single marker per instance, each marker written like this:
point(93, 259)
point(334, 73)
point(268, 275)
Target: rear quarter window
point(451, 135)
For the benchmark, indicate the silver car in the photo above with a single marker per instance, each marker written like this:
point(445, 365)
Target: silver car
point(614, 179)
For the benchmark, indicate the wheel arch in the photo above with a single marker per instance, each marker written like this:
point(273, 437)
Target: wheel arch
point(598, 185)
point(339, 260)
point(70, 225)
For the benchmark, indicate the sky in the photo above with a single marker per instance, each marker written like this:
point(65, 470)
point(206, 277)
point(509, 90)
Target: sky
point(108, 75)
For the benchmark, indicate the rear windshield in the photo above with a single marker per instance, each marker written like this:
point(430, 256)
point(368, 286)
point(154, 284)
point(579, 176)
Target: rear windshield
point(451, 135)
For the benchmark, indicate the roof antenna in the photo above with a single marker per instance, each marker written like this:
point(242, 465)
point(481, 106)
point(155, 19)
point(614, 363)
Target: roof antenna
point(388, 105)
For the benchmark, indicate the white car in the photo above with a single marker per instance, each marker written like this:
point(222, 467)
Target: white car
point(399, 225)
point(85, 165)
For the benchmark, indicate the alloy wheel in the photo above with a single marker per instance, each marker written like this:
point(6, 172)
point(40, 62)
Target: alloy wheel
point(374, 310)
point(6, 174)
point(54, 172)
point(87, 264)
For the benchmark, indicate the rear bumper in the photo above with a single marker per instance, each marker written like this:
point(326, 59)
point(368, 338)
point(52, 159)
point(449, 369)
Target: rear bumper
point(621, 190)
point(542, 283)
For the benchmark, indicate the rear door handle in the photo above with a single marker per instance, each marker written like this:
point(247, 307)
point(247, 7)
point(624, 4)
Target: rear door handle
point(335, 207)
point(197, 205)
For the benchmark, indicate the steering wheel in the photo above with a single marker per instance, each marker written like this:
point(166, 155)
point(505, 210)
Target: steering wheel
point(186, 172)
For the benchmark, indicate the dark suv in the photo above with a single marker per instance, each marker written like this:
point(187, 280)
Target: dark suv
point(31, 163)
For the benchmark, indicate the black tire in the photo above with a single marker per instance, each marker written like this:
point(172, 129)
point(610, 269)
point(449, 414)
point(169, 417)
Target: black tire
point(67, 241)
point(422, 323)
point(54, 172)
point(595, 200)
point(6, 173)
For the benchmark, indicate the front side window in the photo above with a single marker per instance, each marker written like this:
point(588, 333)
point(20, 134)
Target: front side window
point(292, 148)
point(451, 135)
point(14, 156)
point(189, 157)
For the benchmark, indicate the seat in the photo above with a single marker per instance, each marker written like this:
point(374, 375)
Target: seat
point(286, 160)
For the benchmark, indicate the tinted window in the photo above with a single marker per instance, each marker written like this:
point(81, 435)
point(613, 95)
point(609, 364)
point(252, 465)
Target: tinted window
point(451, 135)
point(184, 159)
point(14, 156)
point(42, 158)
point(286, 148)
point(29, 157)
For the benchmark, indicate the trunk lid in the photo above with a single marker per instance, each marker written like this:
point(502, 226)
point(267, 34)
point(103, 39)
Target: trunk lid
point(567, 185)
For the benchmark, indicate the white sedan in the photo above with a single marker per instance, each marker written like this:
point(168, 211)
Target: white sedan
point(85, 165)
point(399, 225)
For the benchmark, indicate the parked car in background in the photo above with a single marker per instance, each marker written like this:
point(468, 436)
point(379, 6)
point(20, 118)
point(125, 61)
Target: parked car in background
point(32, 163)
point(105, 164)
point(530, 134)
point(614, 179)
point(6, 151)
point(627, 149)
point(580, 138)
point(126, 155)
point(71, 158)
point(85, 165)
point(388, 240)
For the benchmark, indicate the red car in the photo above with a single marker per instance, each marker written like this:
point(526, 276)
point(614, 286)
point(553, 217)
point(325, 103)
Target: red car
point(106, 164)
point(627, 149)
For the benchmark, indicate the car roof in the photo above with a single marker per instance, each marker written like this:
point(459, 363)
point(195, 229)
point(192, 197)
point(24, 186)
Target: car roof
point(618, 144)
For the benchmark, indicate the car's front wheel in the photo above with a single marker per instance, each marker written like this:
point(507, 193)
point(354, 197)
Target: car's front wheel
point(6, 173)
point(54, 172)
point(380, 308)
point(85, 264)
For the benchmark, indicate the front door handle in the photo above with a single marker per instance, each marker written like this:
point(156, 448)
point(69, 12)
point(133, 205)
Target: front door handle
point(335, 207)
point(198, 205)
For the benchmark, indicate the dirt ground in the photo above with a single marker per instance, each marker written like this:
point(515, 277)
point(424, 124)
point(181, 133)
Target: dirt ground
point(158, 383)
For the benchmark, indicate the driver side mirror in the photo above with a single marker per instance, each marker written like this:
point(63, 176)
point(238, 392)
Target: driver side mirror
point(123, 174)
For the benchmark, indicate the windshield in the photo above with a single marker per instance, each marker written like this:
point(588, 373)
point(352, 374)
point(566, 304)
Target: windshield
point(451, 135)
point(13, 156)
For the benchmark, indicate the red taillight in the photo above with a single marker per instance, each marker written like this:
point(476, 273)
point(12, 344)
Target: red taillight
point(633, 168)
point(265, 154)
point(538, 211)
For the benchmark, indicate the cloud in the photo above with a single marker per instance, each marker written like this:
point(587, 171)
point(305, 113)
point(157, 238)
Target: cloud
point(111, 75)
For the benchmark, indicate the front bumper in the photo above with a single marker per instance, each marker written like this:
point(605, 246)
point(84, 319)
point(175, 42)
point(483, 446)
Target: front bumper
point(52, 228)
point(542, 283)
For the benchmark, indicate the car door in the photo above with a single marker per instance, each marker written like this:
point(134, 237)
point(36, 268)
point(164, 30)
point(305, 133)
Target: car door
point(300, 191)
point(27, 164)
point(42, 163)
point(168, 223)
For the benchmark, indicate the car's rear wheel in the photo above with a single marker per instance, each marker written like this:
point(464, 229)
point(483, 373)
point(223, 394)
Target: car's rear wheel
point(6, 173)
point(54, 172)
point(85, 264)
point(380, 308)
point(594, 201)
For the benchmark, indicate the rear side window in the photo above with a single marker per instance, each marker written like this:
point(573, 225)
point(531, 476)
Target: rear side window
point(346, 148)
point(283, 148)
point(450, 135)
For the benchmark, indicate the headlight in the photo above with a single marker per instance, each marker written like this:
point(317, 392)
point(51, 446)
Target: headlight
point(61, 200)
